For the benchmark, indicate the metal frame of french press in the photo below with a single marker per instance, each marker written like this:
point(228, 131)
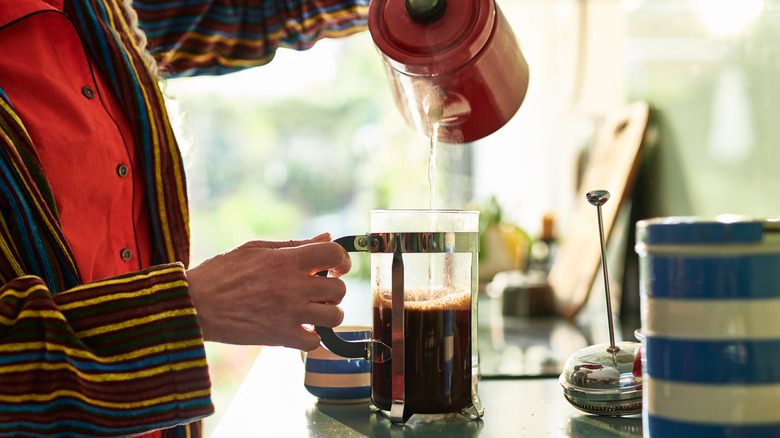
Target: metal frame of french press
point(374, 350)
point(425, 242)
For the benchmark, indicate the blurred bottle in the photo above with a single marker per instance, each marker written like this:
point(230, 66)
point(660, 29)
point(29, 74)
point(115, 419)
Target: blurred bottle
point(543, 250)
point(527, 293)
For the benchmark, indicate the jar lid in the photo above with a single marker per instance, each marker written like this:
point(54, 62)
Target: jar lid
point(727, 229)
point(433, 48)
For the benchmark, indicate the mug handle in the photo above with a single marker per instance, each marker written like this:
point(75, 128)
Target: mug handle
point(350, 349)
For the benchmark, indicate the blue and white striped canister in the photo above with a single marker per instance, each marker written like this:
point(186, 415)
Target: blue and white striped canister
point(710, 304)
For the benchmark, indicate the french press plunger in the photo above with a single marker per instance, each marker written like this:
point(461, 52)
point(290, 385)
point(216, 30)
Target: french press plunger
point(604, 379)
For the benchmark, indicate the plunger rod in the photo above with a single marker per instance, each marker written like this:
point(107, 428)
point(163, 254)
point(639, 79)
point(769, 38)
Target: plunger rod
point(599, 198)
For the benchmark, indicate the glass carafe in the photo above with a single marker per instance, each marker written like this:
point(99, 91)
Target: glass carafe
point(424, 297)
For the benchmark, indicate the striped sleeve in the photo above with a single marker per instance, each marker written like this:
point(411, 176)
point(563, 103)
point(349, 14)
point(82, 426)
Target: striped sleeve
point(117, 357)
point(220, 36)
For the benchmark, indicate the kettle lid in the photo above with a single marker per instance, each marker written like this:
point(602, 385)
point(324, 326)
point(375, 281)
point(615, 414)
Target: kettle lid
point(446, 43)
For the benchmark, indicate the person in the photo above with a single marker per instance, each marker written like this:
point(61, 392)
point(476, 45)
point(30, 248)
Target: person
point(102, 322)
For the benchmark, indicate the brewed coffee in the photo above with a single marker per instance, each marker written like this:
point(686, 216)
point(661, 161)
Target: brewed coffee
point(437, 352)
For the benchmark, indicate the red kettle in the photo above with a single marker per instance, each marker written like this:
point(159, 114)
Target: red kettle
point(454, 66)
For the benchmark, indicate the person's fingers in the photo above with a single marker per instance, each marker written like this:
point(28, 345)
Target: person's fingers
point(324, 237)
point(320, 238)
point(312, 256)
point(321, 314)
point(302, 338)
point(342, 268)
point(326, 290)
point(326, 256)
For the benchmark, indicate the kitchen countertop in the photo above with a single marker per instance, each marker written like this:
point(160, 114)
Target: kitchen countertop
point(272, 402)
point(520, 360)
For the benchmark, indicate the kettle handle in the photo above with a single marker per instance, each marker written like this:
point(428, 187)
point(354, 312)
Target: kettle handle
point(373, 350)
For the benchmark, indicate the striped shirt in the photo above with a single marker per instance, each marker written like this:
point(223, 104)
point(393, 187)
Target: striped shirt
point(124, 355)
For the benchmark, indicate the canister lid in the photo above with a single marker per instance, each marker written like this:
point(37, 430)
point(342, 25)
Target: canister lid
point(433, 48)
point(694, 230)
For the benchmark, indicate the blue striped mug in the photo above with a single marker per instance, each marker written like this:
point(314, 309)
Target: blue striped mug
point(710, 306)
point(335, 379)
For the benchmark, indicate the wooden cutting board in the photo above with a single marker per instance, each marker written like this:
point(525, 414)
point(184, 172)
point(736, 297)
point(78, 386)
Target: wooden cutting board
point(612, 166)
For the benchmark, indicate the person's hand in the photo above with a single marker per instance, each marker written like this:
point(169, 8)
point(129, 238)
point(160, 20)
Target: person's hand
point(267, 293)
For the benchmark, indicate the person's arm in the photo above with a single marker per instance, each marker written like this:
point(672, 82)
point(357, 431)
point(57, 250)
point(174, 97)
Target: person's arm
point(220, 36)
point(116, 357)
point(125, 355)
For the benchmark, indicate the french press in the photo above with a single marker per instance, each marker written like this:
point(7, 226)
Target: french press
point(423, 347)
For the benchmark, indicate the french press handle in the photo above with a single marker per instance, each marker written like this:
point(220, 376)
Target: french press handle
point(372, 350)
point(348, 349)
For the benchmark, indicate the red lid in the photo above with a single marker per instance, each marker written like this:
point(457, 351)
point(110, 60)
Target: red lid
point(435, 48)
